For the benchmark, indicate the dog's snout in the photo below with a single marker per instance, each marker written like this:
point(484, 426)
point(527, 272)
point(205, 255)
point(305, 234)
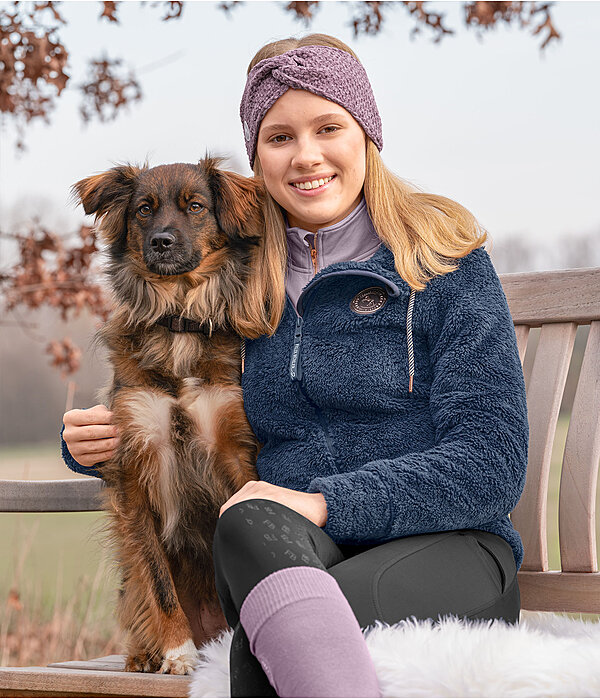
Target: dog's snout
point(162, 241)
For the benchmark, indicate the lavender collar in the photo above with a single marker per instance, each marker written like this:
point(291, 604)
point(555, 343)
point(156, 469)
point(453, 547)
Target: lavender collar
point(352, 238)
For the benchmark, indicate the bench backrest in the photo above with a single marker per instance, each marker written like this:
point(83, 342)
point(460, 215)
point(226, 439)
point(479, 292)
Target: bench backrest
point(557, 302)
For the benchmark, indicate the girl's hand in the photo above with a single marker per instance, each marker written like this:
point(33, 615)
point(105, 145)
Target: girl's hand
point(310, 505)
point(90, 435)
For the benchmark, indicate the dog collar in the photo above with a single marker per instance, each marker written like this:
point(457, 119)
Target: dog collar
point(180, 324)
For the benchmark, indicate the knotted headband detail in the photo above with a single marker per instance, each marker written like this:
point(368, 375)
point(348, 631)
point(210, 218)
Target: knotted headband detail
point(323, 70)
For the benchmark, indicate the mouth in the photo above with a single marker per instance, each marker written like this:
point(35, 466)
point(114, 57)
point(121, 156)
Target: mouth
point(312, 187)
point(173, 265)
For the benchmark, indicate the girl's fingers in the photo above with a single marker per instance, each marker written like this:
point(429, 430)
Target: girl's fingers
point(89, 432)
point(93, 447)
point(96, 415)
point(93, 459)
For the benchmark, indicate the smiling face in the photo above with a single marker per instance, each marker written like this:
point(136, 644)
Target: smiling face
point(303, 139)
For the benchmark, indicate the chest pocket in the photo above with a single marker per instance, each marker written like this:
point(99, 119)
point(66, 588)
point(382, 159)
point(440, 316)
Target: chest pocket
point(355, 353)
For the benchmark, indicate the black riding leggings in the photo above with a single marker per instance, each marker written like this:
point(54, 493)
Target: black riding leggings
point(469, 573)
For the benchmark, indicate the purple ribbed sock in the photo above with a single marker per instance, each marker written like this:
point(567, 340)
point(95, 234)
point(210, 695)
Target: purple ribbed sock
point(302, 630)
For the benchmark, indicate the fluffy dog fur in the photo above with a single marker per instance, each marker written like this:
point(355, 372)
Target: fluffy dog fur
point(182, 239)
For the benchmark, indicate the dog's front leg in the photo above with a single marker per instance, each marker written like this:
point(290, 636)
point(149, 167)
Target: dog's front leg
point(160, 634)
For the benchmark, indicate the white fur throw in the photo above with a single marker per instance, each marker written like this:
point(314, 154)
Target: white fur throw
point(546, 655)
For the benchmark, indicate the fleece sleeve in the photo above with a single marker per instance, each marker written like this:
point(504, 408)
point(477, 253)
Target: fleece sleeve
point(475, 472)
point(71, 462)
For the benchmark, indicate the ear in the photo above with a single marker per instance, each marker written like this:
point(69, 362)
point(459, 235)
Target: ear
point(107, 195)
point(237, 199)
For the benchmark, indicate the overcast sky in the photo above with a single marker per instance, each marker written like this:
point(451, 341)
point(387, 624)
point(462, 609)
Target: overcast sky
point(511, 133)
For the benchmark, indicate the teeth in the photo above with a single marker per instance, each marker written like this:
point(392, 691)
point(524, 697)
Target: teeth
point(311, 185)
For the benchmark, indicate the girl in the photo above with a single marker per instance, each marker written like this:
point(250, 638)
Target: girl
point(389, 398)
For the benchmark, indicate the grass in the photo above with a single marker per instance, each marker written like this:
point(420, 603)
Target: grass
point(57, 587)
point(57, 584)
point(58, 593)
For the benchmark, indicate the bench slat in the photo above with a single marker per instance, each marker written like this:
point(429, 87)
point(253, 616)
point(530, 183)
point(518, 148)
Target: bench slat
point(544, 395)
point(579, 475)
point(522, 333)
point(60, 495)
point(114, 662)
point(62, 681)
point(553, 591)
point(553, 296)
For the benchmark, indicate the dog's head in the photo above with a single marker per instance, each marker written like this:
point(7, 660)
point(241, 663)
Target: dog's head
point(168, 219)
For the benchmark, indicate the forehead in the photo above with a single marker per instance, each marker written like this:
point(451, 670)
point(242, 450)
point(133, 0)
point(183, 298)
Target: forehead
point(173, 181)
point(297, 107)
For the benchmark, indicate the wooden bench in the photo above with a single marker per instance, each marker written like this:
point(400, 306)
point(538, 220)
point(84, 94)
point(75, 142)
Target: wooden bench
point(557, 303)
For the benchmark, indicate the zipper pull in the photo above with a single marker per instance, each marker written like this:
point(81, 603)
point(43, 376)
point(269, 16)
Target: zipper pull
point(313, 252)
point(295, 366)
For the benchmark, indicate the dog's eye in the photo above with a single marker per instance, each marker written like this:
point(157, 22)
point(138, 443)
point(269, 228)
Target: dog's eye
point(144, 210)
point(195, 207)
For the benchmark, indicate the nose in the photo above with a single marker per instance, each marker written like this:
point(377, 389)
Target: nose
point(307, 153)
point(162, 241)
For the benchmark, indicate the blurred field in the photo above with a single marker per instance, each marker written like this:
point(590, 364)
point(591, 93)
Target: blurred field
point(39, 461)
point(56, 579)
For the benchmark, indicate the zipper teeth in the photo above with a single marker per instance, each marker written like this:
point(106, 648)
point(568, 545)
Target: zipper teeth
point(409, 340)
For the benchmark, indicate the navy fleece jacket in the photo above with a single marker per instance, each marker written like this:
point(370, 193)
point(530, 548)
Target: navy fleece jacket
point(328, 395)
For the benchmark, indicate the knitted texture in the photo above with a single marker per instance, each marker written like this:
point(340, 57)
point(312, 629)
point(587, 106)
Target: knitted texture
point(281, 588)
point(323, 70)
point(302, 630)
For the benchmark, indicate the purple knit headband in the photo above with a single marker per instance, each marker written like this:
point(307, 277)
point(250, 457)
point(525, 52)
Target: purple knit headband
point(322, 70)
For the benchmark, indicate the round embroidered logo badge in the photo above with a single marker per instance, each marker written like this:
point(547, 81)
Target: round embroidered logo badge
point(368, 301)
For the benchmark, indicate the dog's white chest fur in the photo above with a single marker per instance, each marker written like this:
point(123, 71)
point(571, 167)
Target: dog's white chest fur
point(150, 421)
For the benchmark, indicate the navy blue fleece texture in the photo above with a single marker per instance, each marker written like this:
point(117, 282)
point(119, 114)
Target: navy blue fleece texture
point(450, 455)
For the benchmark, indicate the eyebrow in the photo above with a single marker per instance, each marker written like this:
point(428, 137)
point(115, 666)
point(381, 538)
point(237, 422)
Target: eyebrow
point(321, 117)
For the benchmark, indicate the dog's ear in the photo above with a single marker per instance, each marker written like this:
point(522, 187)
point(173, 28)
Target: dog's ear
point(237, 199)
point(107, 195)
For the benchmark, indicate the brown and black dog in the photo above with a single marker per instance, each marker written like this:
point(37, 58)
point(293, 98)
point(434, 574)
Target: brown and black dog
point(182, 243)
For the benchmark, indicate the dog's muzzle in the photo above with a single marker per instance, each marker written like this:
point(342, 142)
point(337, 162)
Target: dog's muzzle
point(167, 253)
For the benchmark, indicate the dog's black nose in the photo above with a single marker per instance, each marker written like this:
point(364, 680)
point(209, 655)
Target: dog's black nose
point(162, 241)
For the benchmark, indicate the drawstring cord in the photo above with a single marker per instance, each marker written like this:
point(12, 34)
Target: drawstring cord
point(243, 352)
point(409, 338)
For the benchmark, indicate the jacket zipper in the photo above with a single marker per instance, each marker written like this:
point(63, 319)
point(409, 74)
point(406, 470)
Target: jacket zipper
point(295, 363)
point(296, 375)
point(313, 252)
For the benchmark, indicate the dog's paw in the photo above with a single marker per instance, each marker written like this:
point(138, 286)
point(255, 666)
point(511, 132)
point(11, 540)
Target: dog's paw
point(180, 660)
point(141, 663)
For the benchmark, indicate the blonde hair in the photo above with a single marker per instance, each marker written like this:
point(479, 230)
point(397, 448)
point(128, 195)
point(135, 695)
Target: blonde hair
point(426, 232)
